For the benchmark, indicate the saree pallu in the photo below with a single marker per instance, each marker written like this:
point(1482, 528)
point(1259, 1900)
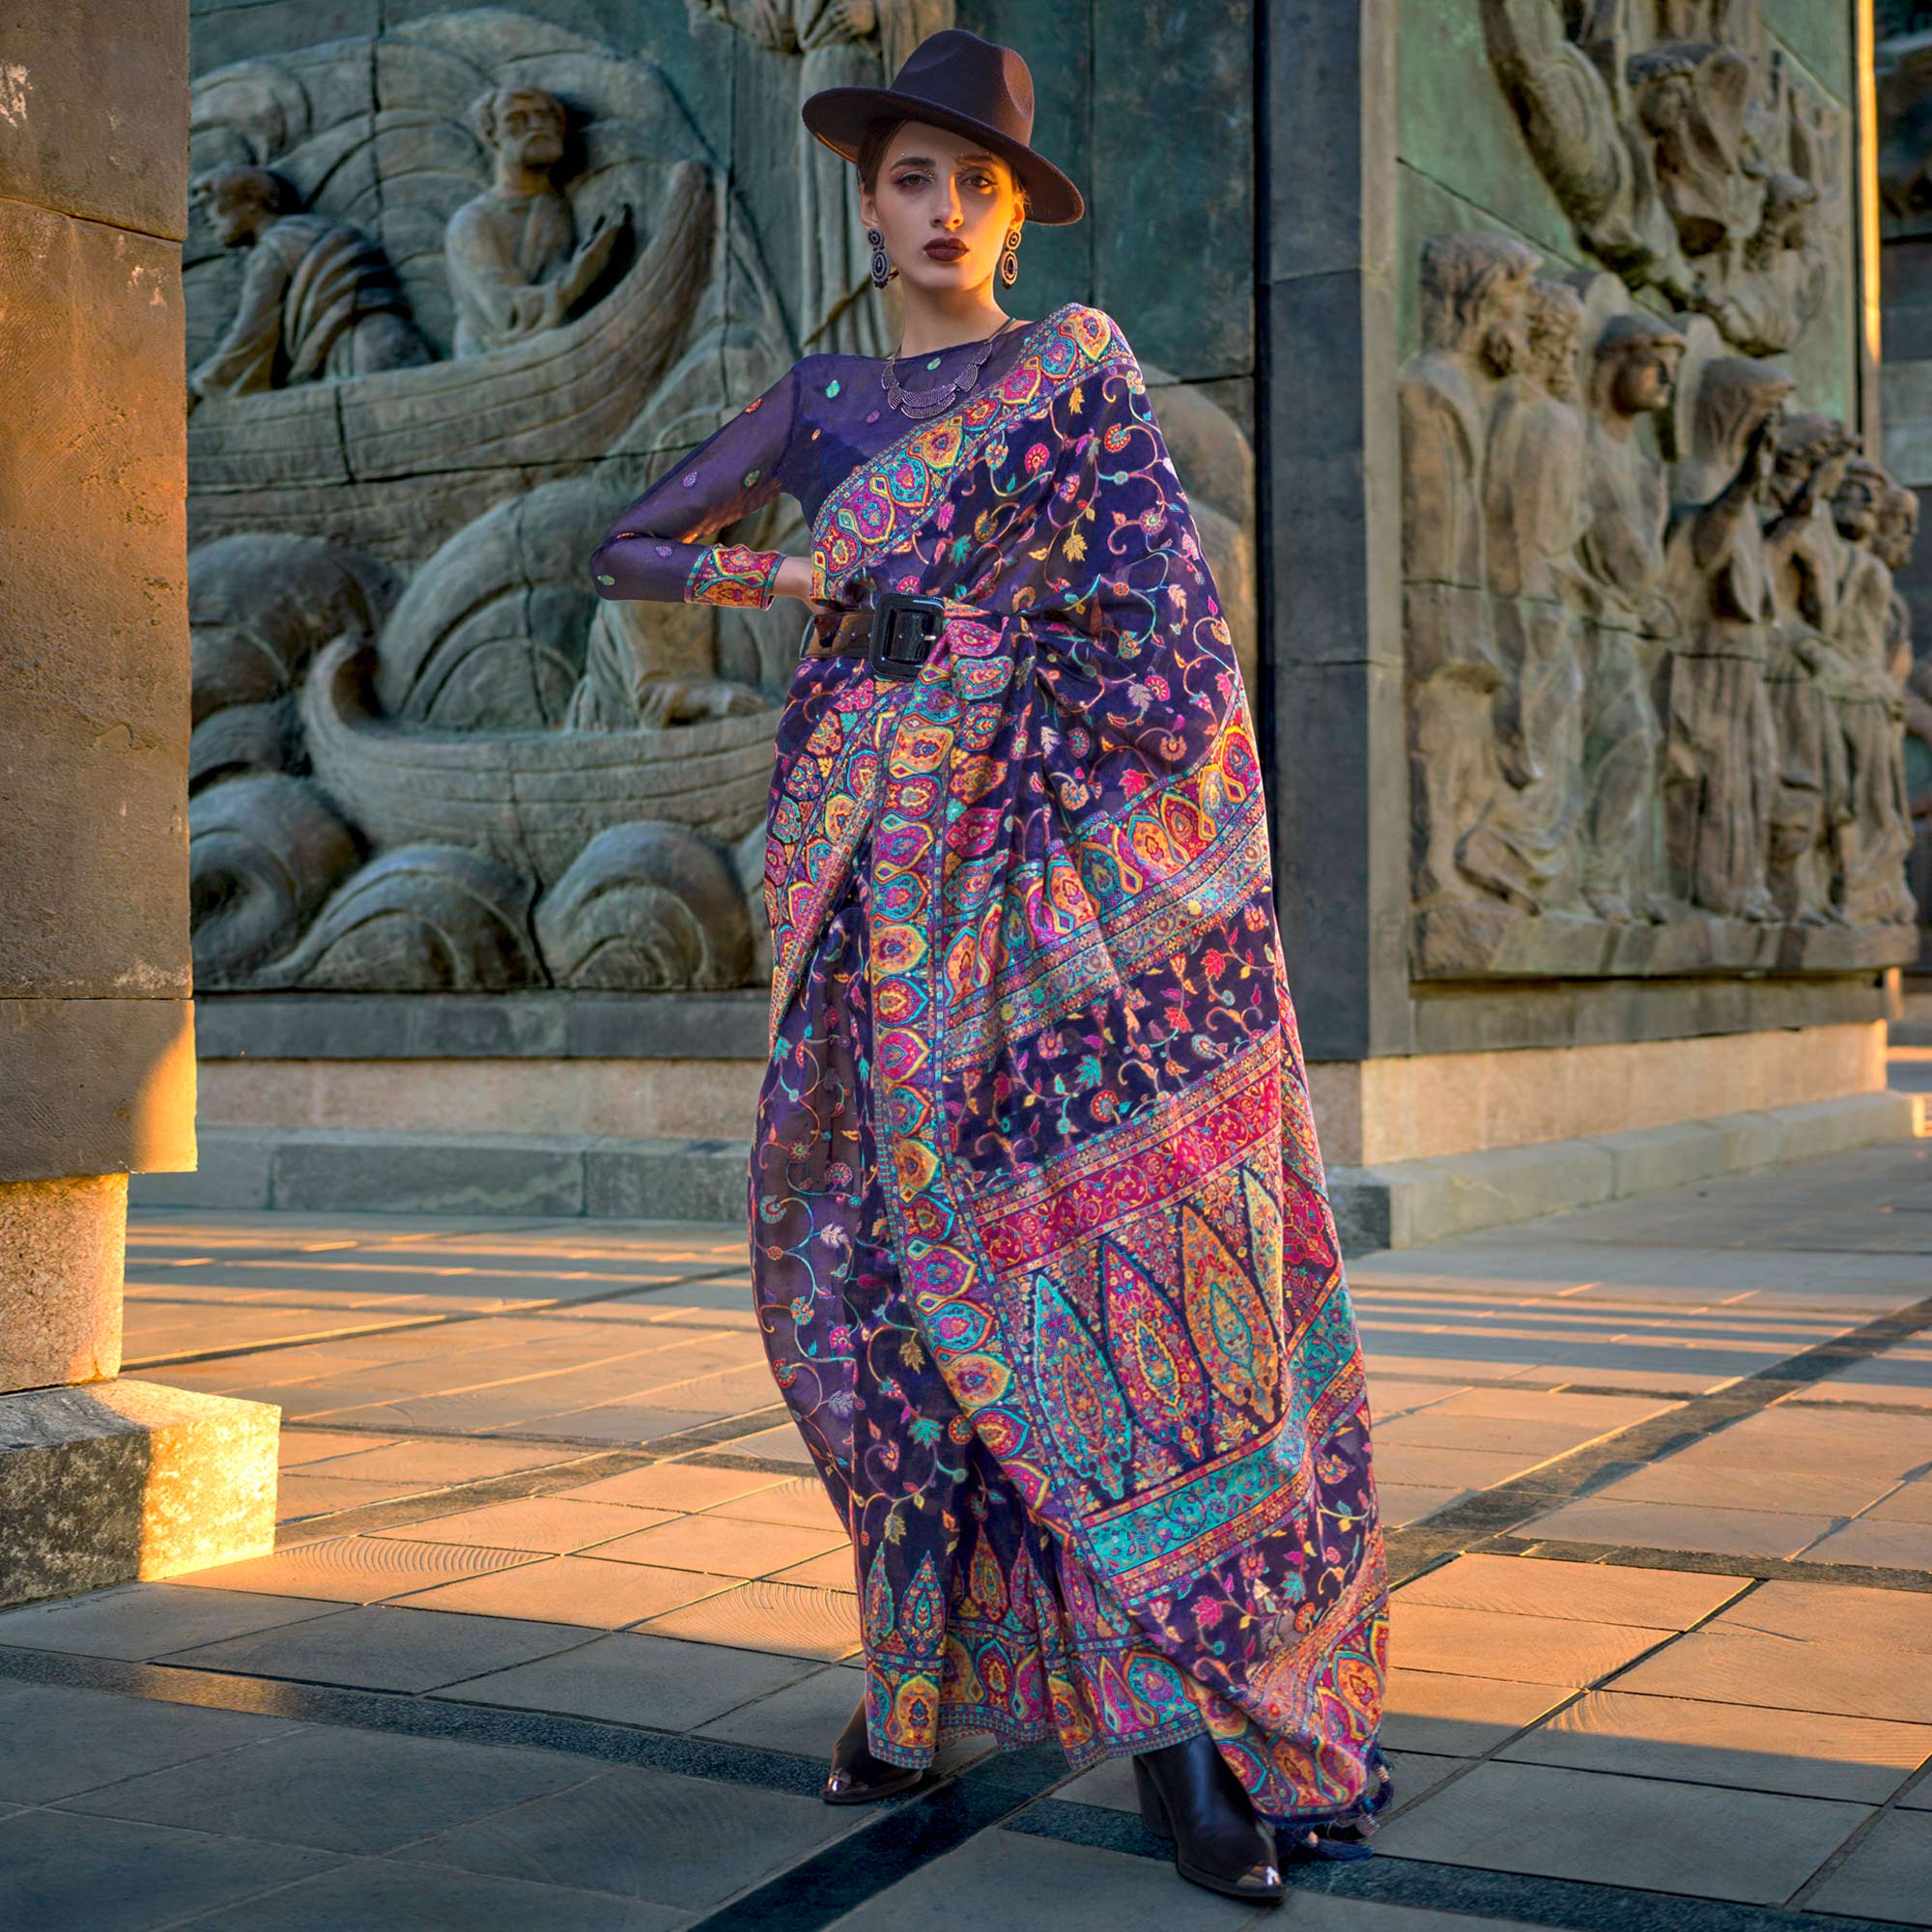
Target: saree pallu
point(1043, 1256)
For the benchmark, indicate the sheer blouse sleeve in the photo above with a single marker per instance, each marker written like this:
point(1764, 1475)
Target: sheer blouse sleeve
point(657, 549)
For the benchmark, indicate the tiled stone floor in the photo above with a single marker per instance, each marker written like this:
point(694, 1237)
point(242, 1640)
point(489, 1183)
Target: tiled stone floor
point(559, 1624)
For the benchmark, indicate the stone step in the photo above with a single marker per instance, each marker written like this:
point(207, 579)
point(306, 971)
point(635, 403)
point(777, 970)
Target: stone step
point(312, 1171)
point(1402, 1205)
point(1406, 1203)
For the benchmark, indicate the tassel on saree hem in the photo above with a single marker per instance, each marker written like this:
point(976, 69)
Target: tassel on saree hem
point(1339, 1837)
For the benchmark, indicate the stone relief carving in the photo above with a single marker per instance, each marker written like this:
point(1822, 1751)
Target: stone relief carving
point(1474, 289)
point(1809, 784)
point(1691, 160)
point(1721, 746)
point(1655, 662)
point(1869, 707)
point(1535, 512)
point(455, 291)
point(319, 299)
point(515, 265)
point(425, 756)
point(1897, 531)
point(1629, 364)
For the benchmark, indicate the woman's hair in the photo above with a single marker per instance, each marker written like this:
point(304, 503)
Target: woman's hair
point(872, 154)
point(873, 146)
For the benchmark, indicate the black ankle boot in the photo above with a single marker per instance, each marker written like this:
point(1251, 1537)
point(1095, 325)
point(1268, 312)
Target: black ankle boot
point(857, 1776)
point(1189, 1796)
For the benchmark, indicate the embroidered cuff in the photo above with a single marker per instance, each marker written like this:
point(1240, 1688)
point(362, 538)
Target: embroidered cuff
point(733, 573)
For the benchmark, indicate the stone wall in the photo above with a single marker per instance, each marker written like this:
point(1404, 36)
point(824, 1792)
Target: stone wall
point(426, 759)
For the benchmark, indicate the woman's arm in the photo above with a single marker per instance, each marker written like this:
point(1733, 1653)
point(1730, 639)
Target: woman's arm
point(658, 548)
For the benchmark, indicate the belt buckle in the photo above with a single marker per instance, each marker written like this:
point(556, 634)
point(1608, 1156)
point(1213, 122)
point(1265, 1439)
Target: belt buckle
point(904, 631)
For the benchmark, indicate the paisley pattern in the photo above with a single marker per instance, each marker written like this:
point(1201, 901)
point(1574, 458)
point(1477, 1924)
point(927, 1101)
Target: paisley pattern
point(1043, 1254)
point(732, 573)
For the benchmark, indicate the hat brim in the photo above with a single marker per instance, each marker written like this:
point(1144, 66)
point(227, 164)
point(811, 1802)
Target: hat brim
point(838, 116)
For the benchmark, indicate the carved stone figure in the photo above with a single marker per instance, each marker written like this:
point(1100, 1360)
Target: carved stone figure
point(1720, 747)
point(1691, 100)
point(1897, 531)
point(837, 43)
point(1535, 511)
point(514, 266)
point(1690, 162)
point(1631, 372)
point(1802, 554)
point(1789, 258)
point(1876, 834)
point(1474, 289)
point(318, 301)
point(648, 665)
point(1576, 114)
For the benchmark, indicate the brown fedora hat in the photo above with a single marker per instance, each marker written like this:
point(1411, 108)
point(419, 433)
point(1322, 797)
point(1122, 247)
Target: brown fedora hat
point(954, 80)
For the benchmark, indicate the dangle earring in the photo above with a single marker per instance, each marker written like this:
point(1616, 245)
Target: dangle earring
point(1010, 262)
point(882, 267)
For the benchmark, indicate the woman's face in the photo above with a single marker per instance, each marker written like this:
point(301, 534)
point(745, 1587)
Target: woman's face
point(944, 207)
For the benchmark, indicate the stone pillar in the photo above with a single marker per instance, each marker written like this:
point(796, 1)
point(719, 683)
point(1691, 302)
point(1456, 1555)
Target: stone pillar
point(1329, 476)
point(101, 1477)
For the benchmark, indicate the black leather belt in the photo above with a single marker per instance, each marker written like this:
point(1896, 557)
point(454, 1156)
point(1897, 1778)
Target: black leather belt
point(894, 635)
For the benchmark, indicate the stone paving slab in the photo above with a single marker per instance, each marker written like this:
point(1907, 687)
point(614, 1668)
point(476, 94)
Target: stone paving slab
point(1604, 1827)
point(363, 1894)
point(576, 1590)
point(637, 1679)
point(1070, 1888)
point(61, 1870)
point(144, 1620)
point(1884, 1877)
point(553, 1526)
point(354, 1568)
point(1661, 1600)
point(82, 1740)
point(382, 1648)
point(339, 1790)
point(1694, 1740)
point(646, 1836)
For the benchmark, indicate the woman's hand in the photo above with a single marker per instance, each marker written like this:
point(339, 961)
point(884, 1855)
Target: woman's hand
point(794, 580)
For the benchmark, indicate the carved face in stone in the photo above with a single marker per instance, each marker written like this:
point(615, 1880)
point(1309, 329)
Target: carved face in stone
point(241, 202)
point(1638, 358)
point(1505, 343)
point(1475, 289)
point(1737, 417)
point(1854, 504)
point(1897, 526)
point(1553, 316)
point(1646, 376)
point(526, 127)
point(1807, 442)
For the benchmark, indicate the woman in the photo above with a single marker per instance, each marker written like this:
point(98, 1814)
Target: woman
point(1041, 1252)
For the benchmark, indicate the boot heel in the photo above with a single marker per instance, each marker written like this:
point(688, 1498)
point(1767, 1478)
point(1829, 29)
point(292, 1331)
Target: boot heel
point(1153, 1808)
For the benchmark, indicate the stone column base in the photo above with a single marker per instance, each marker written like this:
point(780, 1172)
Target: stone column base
point(115, 1480)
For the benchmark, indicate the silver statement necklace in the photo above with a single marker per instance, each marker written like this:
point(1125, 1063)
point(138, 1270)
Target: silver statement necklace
point(919, 404)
